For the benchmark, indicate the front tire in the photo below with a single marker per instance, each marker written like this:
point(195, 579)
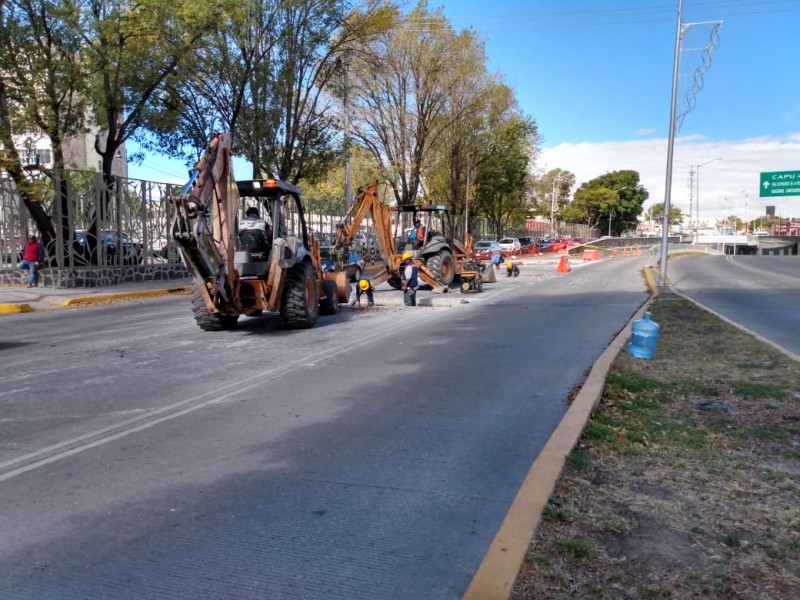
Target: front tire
point(443, 266)
point(329, 305)
point(300, 302)
point(206, 320)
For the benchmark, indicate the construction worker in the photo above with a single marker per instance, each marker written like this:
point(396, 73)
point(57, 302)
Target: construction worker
point(340, 248)
point(255, 234)
point(512, 269)
point(363, 287)
point(417, 235)
point(409, 280)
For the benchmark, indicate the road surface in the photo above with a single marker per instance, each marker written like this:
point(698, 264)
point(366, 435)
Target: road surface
point(761, 293)
point(373, 456)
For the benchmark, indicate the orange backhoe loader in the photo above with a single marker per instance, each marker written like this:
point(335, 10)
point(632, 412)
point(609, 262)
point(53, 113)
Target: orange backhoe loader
point(272, 266)
point(440, 256)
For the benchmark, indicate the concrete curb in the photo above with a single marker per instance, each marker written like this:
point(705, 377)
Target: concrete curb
point(9, 309)
point(121, 296)
point(495, 577)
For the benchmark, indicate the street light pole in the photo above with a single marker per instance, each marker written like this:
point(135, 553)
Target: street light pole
point(697, 224)
point(556, 180)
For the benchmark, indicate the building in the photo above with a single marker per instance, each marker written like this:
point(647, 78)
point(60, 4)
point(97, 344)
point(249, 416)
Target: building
point(79, 153)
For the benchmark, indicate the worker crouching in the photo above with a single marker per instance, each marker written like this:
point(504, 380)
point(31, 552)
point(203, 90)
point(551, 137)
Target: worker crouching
point(512, 270)
point(363, 287)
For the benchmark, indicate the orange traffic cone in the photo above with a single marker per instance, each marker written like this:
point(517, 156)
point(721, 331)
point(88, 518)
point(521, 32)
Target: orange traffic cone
point(613, 252)
point(563, 265)
point(625, 251)
point(638, 251)
point(595, 255)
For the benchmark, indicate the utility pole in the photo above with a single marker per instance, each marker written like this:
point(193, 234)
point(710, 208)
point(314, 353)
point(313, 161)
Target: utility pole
point(556, 180)
point(466, 201)
point(348, 183)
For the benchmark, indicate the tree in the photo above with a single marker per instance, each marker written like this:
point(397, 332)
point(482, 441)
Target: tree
point(41, 80)
point(656, 213)
point(130, 51)
point(504, 182)
point(409, 92)
point(557, 184)
point(264, 75)
point(594, 201)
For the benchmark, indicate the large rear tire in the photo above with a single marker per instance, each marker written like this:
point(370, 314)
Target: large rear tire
point(300, 302)
point(443, 266)
point(395, 283)
point(329, 305)
point(207, 321)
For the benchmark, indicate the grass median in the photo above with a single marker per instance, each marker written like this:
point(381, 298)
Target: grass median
point(685, 482)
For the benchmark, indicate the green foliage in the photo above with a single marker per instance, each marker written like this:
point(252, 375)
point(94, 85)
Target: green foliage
point(555, 185)
point(656, 213)
point(594, 201)
point(502, 191)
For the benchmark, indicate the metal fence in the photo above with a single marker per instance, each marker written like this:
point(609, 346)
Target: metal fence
point(127, 223)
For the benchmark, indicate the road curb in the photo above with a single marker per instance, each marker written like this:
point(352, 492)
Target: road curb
point(121, 296)
point(500, 566)
point(10, 309)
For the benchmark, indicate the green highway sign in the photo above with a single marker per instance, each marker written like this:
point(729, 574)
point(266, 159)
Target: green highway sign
point(779, 183)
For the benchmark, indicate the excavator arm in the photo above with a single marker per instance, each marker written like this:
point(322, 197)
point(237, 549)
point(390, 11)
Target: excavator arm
point(204, 223)
point(369, 203)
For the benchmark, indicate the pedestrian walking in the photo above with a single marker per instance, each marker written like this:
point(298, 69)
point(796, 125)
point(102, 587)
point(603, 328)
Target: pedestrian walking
point(32, 257)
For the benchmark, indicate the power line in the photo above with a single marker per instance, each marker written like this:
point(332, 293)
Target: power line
point(601, 17)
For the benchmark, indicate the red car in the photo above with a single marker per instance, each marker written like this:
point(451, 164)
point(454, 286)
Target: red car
point(486, 249)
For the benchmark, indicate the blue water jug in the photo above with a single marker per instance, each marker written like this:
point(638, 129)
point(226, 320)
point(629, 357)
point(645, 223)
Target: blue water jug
point(645, 338)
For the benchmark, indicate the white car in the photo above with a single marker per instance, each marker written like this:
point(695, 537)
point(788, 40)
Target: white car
point(511, 245)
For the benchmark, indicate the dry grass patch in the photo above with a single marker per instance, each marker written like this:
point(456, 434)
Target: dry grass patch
point(685, 482)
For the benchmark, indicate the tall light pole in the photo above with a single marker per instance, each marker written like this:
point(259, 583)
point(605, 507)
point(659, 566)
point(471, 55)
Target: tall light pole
point(556, 180)
point(697, 224)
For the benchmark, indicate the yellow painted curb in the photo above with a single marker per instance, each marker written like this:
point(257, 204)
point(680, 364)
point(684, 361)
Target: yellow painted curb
point(495, 577)
point(121, 296)
point(650, 280)
point(8, 309)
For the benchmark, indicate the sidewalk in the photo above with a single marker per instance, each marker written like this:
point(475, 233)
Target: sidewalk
point(18, 299)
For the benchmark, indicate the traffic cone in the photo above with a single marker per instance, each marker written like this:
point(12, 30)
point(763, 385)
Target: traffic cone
point(563, 265)
point(625, 251)
point(638, 251)
point(613, 252)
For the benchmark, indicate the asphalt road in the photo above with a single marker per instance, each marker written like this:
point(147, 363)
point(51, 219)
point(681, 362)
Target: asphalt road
point(373, 456)
point(761, 293)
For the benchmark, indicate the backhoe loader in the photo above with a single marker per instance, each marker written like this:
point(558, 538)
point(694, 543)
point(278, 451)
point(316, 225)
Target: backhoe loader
point(274, 267)
point(440, 257)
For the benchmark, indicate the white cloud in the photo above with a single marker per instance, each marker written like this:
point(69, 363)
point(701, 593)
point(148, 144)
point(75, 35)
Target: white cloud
point(645, 131)
point(727, 186)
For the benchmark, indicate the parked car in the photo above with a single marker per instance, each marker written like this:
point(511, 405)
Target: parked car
point(486, 249)
point(544, 244)
point(132, 249)
point(527, 243)
point(510, 245)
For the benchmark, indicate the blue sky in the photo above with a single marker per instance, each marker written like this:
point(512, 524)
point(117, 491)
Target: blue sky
point(597, 77)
